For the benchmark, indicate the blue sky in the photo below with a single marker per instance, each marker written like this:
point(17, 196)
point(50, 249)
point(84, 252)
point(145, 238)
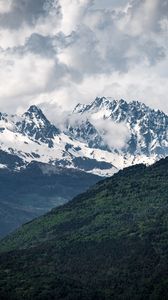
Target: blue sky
point(58, 53)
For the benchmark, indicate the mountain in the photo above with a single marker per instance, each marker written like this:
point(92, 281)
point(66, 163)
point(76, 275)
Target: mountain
point(85, 132)
point(148, 128)
point(35, 190)
point(108, 243)
point(36, 125)
point(99, 138)
point(32, 137)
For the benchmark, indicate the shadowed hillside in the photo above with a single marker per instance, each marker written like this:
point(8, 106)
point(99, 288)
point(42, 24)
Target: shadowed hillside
point(108, 243)
point(35, 190)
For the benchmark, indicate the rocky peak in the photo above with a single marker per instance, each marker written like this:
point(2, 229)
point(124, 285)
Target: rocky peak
point(86, 132)
point(148, 127)
point(37, 126)
point(34, 109)
point(36, 114)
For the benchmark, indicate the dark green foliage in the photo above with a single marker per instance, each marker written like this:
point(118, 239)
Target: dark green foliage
point(108, 243)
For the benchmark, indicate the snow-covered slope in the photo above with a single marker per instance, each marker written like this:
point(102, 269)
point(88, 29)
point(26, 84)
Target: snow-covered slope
point(31, 137)
point(107, 135)
point(146, 129)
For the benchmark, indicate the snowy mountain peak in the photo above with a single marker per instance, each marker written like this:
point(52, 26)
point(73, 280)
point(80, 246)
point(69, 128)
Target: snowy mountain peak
point(79, 108)
point(100, 137)
point(111, 104)
point(35, 114)
point(35, 125)
point(101, 103)
point(86, 132)
point(114, 108)
point(147, 128)
point(34, 109)
point(98, 102)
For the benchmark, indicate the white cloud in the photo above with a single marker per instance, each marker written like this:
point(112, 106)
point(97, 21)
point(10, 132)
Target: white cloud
point(73, 12)
point(24, 75)
point(115, 135)
point(70, 51)
point(22, 78)
point(5, 6)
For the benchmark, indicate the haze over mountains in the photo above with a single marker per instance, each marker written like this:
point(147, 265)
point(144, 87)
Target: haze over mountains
point(35, 190)
point(99, 138)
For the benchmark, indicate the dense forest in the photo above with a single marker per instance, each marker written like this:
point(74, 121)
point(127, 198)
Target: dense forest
point(108, 243)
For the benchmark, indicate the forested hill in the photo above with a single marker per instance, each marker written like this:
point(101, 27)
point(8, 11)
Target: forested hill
point(108, 243)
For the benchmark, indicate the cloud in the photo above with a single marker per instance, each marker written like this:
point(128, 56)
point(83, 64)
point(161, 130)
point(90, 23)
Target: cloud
point(5, 6)
point(114, 135)
point(25, 75)
point(26, 17)
point(57, 115)
point(16, 12)
point(73, 13)
point(69, 51)
point(109, 4)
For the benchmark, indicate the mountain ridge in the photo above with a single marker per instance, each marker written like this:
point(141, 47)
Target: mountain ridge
point(113, 133)
point(107, 243)
point(35, 190)
point(132, 113)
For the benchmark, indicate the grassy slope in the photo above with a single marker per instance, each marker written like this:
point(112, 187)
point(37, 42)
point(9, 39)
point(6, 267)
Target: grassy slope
point(109, 243)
